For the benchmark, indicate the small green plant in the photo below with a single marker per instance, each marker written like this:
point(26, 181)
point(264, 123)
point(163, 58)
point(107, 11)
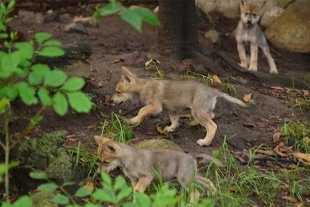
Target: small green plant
point(32, 83)
point(151, 64)
point(297, 133)
point(135, 17)
point(84, 158)
point(117, 127)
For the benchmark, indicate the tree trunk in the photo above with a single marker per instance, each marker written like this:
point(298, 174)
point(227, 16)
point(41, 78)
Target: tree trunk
point(178, 33)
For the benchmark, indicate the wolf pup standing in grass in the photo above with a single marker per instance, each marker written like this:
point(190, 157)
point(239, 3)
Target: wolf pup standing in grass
point(175, 96)
point(142, 166)
point(248, 30)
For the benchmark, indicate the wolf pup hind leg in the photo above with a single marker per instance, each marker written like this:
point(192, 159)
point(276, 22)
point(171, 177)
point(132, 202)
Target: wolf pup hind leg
point(248, 30)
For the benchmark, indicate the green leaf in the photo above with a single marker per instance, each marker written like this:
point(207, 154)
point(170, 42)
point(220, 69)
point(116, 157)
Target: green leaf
point(55, 78)
point(38, 175)
point(51, 52)
point(142, 200)
point(50, 187)
point(44, 97)
point(3, 35)
point(73, 84)
point(25, 50)
point(119, 183)
point(11, 4)
point(147, 16)
point(60, 104)
point(106, 179)
point(52, 43)
point(111, 8)
point(42, 36)
point(79, 102)
point(61, 199)
point(104, 195)
point(27, 93)
point(12, 93)
point(83, 192)
point(38, 73)
point(133, 18)
point(23, 201)
point(124, 193)
point(9, 65)
point(3, 103)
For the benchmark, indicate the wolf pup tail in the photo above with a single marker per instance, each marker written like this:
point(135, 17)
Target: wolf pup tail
point(233, 100)
point(205, 182)
point(205, 159)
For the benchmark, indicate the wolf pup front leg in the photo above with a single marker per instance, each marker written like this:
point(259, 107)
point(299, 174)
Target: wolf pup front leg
point(248, 30)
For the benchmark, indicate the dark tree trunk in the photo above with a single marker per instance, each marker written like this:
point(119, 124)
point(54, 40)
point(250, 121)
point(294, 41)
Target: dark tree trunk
point(178, 33)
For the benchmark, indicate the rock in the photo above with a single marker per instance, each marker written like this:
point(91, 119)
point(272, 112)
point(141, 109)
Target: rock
point(230, 8)
point(30, 18)
point(65, 18)
point(271, 15)
point(158, 144)
point(76, 27)
point(43, 199)
point(212, 35)
point(291, 31)
point(47, 154)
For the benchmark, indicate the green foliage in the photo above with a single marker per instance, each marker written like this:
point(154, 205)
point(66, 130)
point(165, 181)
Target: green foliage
point(135, 17)
point(118, 128)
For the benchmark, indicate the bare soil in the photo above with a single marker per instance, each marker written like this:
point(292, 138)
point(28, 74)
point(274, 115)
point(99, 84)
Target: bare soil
point(114, 43)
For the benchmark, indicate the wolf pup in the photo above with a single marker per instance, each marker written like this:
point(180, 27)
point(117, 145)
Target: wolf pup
point(175, 96)
point(142, 166)
point(248, 31)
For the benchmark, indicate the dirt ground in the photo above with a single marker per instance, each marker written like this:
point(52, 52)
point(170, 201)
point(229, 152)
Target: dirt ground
point(114, 40)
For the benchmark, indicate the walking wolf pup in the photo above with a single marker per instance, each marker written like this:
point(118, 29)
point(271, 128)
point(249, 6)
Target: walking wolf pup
point(175, 96)
point(142, 166)
point(248, 30)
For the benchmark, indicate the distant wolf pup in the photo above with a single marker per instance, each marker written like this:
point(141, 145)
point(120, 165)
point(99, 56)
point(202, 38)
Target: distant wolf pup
point(142, 166)
point(248, 31)
point(175, 96)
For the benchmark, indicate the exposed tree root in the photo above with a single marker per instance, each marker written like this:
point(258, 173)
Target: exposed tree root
point(260, 78)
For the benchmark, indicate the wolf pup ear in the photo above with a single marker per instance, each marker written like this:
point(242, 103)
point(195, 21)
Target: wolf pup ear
point(242, 3)
point(100, 140)
point(261, 5)
point(113, 148)
point(128, 76)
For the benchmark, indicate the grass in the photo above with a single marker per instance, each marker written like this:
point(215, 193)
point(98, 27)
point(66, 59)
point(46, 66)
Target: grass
point(117, 128)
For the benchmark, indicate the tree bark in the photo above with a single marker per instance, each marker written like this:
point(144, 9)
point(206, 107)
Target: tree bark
point(178, 33)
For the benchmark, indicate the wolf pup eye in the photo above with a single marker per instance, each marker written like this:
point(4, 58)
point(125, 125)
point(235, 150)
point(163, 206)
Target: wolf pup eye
point(105, 162)
point(254, 15)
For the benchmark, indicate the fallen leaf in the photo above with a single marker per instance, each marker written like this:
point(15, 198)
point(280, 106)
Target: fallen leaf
point(147, 63)
point(282, 150)
point(107, 99)
point(70, 136)
point(89, 185)
point(250, 125)
point(103, 115)
point(276, 87)
point(160, 130)
point(247, 97)
point(305, 92)
point(100, 84)
point(288, 198)
point(276, 137)
point(306, 140)
point(216, 79)
point(266, 152)
point(303, 157)
point(118, 60)
point(91, 126)
point(299, 204)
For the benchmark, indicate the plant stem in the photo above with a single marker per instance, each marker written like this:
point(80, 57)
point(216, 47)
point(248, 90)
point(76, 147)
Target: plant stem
point(67, 194)
point(30, 126)
point(7, 156)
